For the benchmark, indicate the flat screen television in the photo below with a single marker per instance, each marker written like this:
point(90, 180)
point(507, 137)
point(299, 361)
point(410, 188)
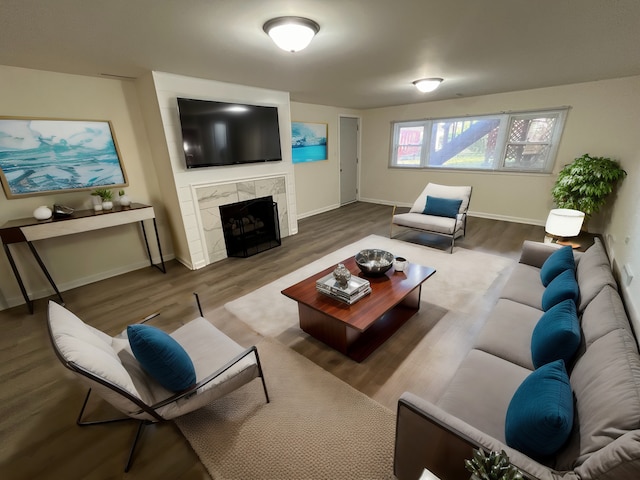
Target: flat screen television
point(220, 133)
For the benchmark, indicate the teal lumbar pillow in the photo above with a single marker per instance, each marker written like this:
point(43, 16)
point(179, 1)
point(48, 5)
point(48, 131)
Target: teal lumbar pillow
point(556, 335)
point(162, 357)
point(442, 207)
point(540, 415)
point(563, 287)
point(558, 262)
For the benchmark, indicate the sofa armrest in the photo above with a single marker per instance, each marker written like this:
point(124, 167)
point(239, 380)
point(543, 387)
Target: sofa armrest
point(428, 437)
point(535, 253)
point(619, 459)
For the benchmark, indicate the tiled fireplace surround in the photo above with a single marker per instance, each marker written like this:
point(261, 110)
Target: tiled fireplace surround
point(210, 196)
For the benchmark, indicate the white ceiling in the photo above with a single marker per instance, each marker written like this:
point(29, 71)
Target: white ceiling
point(366, 54)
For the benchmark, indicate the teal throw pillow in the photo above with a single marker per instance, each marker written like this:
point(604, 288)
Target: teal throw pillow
point(563, 287)
point(162, 357)
point(556, 335)
point(558, 262)
point(442, 207)
point(540, 415)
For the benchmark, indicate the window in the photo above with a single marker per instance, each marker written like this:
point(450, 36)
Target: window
point(521, 142)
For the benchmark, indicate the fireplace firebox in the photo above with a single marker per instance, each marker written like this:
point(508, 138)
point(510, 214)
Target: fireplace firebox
point(250, 226)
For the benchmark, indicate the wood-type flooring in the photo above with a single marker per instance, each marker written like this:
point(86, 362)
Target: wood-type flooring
point(39, 402)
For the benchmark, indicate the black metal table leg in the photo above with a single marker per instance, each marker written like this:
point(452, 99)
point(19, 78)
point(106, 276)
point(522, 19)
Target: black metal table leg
point(162, 268)
point(45, 271)
point(18, 278)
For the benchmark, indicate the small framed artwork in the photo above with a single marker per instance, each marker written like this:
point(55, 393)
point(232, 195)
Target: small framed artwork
point(42, 156)
point(308, 142)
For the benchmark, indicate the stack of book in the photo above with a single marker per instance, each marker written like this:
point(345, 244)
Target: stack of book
point(354, 290)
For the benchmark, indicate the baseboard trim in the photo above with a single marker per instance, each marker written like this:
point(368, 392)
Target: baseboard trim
point(14, 301)
point(318, 211)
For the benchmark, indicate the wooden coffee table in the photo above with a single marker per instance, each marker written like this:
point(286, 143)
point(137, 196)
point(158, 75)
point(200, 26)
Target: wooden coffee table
point(357, 330)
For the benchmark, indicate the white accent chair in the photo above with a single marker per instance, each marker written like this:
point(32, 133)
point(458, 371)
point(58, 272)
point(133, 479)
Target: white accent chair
point(448, 227)
point(108, 367)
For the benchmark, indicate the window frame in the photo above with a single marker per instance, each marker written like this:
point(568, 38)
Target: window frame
point(502, 141)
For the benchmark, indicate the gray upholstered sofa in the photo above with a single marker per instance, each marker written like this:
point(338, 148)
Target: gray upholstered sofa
point(604, 378)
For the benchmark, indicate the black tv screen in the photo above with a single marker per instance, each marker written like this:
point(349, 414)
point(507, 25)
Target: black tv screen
point(220, 133)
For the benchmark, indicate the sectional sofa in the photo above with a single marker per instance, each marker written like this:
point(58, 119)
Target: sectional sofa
point(572, 415)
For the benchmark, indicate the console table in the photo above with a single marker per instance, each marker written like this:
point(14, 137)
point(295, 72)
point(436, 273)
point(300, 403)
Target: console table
point(29, 229)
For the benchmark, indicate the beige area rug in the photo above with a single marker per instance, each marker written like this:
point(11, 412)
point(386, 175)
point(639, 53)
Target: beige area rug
point(421, 356)
point(460, 281)
point(316, 426)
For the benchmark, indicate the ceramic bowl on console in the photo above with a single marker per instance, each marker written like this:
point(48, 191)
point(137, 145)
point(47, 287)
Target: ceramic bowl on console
point(373, 262)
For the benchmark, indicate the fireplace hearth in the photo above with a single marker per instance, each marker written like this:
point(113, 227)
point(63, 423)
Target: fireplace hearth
point(250, 227)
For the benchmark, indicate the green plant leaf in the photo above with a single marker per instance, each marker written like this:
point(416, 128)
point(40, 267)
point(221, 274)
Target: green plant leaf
point(585, 183)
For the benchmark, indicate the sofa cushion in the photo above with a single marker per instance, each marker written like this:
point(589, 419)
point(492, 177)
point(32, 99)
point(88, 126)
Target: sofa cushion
point(442, 207)
point(558, 262)
point(162, 357)
point(593, 273)
point(507, 332)
point(556, 335)
point(563, 287)
point(604, 314)
point(480, 391)
point(606, 382)
point(540, 415)
point(524, 286)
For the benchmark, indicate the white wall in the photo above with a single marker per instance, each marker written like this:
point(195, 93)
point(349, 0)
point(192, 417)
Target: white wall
point(318, 183)
point(189, 247)
point(602, 121)
point(82, 258)
point(597, 122)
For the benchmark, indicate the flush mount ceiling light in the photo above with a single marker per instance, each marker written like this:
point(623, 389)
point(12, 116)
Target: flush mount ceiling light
point(427, 84)
point(291, 33)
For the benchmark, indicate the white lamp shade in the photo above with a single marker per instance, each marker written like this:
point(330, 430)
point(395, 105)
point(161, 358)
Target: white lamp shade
point(291, 33)
point(564, 222)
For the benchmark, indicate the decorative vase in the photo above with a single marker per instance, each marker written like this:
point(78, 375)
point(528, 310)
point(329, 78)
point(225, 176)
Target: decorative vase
point(342, 275)
point(124, 200)
point(108, 205)
point(42, 213)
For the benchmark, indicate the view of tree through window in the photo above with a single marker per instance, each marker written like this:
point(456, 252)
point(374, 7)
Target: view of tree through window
point(526, 141)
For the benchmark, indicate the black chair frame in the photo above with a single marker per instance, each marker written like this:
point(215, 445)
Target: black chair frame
point(150, 409)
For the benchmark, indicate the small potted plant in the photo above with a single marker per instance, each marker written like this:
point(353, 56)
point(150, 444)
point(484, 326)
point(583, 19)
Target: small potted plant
point(124, 199)
point(492, 466)
point(106, 196)
point(586, 183)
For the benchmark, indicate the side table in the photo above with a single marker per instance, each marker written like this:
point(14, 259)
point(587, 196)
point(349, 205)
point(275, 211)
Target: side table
point(29, 229)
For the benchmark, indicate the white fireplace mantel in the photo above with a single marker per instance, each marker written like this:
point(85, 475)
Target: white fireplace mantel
point(206, 237)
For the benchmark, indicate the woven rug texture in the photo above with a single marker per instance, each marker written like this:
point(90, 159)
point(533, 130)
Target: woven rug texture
point(317, 426)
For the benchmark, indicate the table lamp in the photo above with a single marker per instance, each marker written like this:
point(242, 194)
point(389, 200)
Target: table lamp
point(563, 223)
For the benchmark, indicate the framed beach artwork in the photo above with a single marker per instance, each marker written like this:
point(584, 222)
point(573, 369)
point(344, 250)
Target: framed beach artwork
point(308, 142)
point(42, 156)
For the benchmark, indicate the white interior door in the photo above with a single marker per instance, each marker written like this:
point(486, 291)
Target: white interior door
point(349, 131)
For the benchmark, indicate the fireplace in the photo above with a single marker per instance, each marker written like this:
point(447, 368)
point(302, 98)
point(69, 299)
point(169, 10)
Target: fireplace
point(250, 227)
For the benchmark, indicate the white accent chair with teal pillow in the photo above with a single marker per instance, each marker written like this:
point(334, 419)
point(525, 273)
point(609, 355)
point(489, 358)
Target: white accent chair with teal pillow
point(439, 210)
point(149, 375)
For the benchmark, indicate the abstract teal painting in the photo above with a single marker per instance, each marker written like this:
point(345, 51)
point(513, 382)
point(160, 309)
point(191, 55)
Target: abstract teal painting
point(39, 156)
point(308, 142)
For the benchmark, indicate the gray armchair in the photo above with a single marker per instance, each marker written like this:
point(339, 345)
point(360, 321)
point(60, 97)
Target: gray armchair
point(439, 210)
point(109, 367)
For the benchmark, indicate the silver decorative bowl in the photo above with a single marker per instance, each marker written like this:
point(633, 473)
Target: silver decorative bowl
point(373, 262)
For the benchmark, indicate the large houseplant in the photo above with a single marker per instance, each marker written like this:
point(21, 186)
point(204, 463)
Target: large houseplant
point(586, 183)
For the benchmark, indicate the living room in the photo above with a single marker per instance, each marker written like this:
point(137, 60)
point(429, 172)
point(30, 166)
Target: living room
point(602, 120)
